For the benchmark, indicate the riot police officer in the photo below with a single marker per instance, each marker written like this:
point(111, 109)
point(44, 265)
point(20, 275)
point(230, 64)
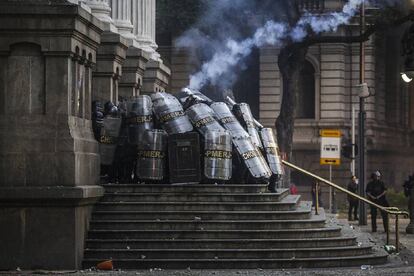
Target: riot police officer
point(376, 192)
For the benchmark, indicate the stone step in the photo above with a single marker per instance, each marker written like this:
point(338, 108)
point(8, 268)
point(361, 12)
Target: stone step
point(186, 188)
point(318, 222)
point(191, 197)
point(302, 212)
point(289, 202)
point(215, 253)
point(219, 243)
point(204, 226)
point(326, 232)
point(265, 263)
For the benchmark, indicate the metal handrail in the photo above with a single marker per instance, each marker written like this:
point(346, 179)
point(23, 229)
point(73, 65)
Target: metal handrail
point(389, 210)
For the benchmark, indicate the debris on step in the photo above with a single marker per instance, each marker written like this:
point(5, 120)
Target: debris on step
point(366, 267)
point(105, 265)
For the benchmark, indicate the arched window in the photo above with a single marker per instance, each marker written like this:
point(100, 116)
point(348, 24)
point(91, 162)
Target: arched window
point(305, 97)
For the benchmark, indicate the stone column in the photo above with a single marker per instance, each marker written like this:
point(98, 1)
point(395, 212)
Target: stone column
point(143, 19)
point(49, 160)
point(102, 10)
point(109, 59)
point(121, 14)
point(133, 73)
point(153, 24)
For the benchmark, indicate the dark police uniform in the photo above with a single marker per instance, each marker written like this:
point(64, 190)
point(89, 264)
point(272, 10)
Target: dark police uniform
point(375, 188)
point(353, 202)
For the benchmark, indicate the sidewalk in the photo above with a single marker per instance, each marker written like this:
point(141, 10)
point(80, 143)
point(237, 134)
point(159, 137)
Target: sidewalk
point(406, 240)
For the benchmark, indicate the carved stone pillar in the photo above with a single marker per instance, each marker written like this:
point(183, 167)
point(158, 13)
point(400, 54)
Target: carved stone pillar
point(121, 14)
point(109, 59)
point(102, 10)
point(153, 24)
point(49, 160)
point(156, 77)
point(133, 73)
point(143, 19)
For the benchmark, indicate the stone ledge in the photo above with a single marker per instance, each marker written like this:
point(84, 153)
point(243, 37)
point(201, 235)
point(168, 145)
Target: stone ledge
point(156, 65)
point(52, 192)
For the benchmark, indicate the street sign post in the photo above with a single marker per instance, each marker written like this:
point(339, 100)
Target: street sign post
point(331, 155)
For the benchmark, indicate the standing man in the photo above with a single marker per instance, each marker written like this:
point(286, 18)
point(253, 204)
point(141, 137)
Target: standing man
point(376, 193)
point(353, 202)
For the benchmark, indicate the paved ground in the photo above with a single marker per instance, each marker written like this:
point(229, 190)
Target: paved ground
point(399, 264)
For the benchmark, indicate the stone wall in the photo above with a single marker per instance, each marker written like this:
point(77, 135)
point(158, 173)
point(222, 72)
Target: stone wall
point(56, 57)
point(49, 161)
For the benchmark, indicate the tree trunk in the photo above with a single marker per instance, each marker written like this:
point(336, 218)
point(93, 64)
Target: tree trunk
point(291, 60)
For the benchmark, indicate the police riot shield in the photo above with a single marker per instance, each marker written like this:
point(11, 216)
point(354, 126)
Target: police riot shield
point(217, 155)
point(139, 118)
point(151, 158)
point(228, 120)
point(202, 118)
point(170, 113)
point(97, 119)
point(271, 149)
point(123, 135)
point(186, 95)
point(109, 139)
point(244, 114)
point(252, 158)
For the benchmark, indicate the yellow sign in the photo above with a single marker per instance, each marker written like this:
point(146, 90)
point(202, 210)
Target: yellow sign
point(330, 147)
point(330, 133)
point(330, 161)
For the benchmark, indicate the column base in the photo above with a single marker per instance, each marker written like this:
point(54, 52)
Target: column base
point(45, 227)
point(102, 11)
point(133, 72)
point(109, 59)
point(156, 77)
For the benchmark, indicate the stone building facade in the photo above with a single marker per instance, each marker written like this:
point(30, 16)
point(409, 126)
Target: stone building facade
point(56, 58)
point(327, 98)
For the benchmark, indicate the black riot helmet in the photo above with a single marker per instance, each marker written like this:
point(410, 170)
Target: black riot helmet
point(110, 109)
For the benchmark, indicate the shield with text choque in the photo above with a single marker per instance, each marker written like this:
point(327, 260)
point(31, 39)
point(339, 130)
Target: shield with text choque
point(244, 114)
point(252, 158)
point(272, 151)
point(109, 139)
point(202, 118)
point(228, 120)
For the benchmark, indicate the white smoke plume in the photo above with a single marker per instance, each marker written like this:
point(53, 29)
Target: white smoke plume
point(226, 56)
point(233, 51)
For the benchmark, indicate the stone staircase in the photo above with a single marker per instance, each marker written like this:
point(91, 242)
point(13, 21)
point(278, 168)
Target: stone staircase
point(142, 226)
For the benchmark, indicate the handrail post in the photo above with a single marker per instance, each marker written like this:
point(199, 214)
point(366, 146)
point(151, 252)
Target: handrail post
point(388, 229)
point(397, 234)
point(316, 198)
point(389, 210)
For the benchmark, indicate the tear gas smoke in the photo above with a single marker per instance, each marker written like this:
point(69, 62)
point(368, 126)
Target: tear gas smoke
point(231, 52)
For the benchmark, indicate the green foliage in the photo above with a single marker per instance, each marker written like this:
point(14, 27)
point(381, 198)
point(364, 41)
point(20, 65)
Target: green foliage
point(397, 199)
